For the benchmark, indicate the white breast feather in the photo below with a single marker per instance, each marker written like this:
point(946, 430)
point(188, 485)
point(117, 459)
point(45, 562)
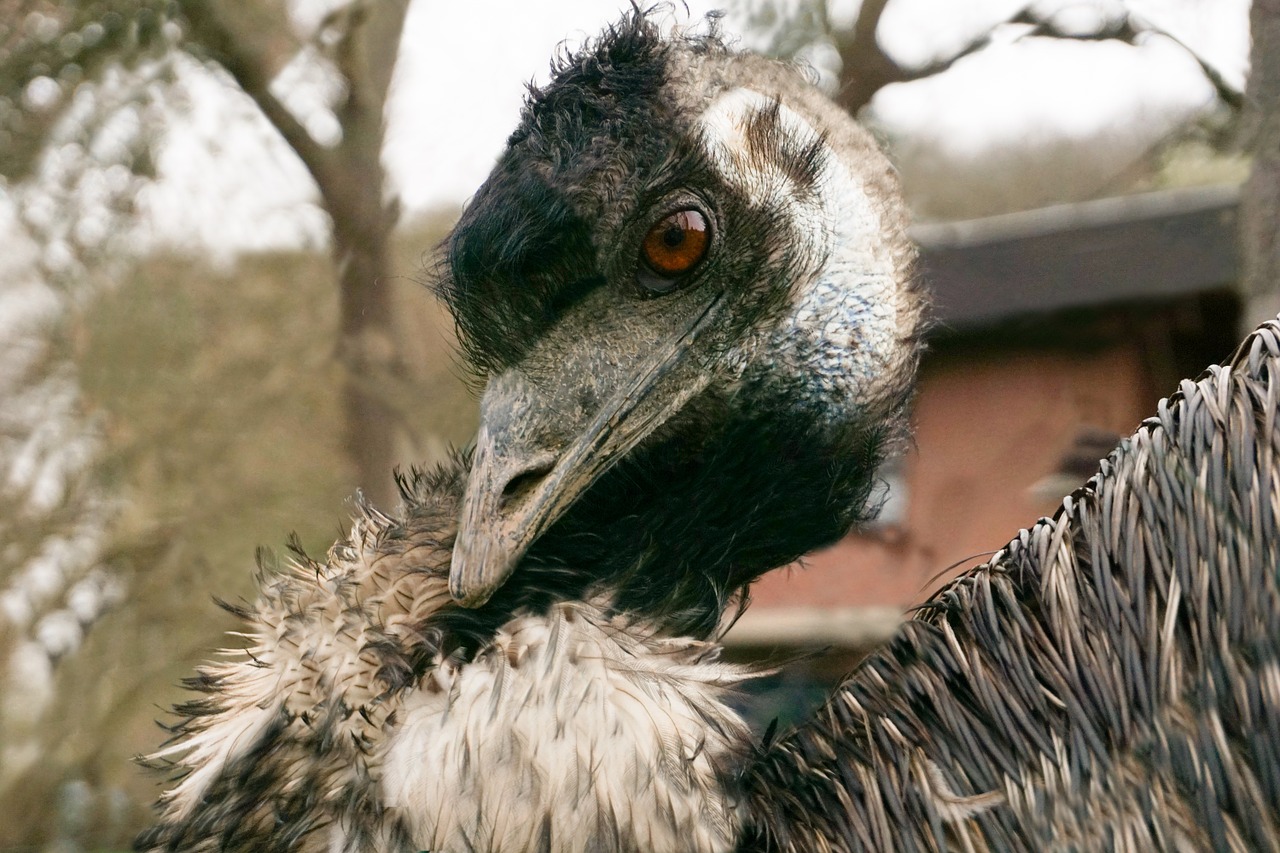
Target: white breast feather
point(571, 733)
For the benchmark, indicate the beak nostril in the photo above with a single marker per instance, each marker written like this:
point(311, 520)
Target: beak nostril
point(524, 482)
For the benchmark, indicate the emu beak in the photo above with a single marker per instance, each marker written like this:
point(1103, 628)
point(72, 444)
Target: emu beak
point(533, 458)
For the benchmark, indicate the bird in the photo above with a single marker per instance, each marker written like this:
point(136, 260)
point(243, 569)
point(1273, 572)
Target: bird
point(689, 294)
point(688, 291)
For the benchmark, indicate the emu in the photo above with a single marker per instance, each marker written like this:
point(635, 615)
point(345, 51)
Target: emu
point(688, 288)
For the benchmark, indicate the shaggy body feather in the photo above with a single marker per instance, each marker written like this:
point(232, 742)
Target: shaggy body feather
point(571, 733)
point(348, 725)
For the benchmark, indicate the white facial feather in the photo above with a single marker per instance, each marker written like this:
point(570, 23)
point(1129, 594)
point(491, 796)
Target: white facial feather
point(842, 333)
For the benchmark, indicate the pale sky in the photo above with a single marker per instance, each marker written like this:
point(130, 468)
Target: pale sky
point(463, 69)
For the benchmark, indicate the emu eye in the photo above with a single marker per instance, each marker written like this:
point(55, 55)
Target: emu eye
point(673, 247)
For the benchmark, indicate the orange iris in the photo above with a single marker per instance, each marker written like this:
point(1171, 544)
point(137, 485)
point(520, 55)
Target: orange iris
point(676, 244)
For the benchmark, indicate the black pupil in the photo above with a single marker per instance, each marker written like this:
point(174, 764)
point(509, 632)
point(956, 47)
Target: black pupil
point(672, 235)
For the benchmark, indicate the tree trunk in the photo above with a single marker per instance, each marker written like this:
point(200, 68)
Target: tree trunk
point(253, 42)
point(363, 215)
point(367, 348)
point(1260, 200)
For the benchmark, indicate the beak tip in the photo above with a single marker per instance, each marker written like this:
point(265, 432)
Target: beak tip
point(466, 586)
point(469, 598)
point(475, 575)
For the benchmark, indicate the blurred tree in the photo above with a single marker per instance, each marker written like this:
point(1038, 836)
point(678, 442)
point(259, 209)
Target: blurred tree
point(67, 68)
point(358, 41)
point(1260, 200)
point(982, 126)
point(87, 89)
point(865, 67)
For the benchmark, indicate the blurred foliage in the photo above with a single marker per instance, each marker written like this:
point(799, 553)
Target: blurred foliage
point(87, 86)
point(219, 396)
point(82, 97)
point(50, 48)
point(219, 388)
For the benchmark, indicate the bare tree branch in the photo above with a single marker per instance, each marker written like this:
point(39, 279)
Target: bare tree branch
point(867, 67)
point(253, 57)
point(1129, 29)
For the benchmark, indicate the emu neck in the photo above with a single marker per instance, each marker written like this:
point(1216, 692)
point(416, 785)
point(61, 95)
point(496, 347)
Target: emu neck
point(679, 529)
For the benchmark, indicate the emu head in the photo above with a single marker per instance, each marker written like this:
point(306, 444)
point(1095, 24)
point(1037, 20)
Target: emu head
point(688, 287)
